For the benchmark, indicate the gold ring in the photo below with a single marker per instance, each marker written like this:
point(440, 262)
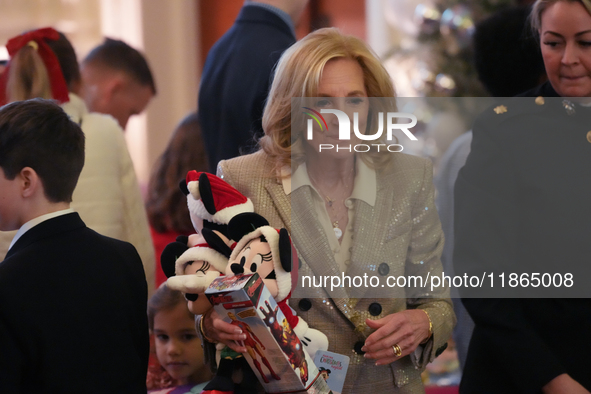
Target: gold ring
point(397, 350)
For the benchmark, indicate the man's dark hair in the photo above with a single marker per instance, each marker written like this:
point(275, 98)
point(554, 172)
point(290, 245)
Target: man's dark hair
point(506, 55)
point(37, 133)
point(117, 55)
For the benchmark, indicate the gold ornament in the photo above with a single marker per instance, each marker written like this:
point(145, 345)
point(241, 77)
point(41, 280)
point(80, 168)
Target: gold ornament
point(501, 109)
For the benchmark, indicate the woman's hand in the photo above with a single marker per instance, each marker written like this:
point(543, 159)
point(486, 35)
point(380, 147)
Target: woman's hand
point(406, 329)
point(220, 331)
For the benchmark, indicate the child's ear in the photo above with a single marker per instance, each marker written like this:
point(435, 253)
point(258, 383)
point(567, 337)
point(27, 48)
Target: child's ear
point(30, 181)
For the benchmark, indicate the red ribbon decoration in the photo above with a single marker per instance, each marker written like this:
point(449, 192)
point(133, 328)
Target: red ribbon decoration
point(59, 88)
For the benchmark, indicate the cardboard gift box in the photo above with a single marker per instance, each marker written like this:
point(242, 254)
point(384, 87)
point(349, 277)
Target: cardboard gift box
point(275, 353)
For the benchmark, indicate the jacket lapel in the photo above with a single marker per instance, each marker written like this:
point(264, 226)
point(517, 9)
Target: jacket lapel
point(281, 202)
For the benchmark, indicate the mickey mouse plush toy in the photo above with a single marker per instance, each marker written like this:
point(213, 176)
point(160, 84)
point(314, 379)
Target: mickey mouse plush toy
point(269, 252)
point(221, 214)
point(192, 263)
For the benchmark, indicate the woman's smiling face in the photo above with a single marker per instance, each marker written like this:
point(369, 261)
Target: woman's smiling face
point(565, 39)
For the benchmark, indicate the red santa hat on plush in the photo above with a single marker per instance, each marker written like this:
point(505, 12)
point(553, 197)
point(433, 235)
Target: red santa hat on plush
point(212, 199)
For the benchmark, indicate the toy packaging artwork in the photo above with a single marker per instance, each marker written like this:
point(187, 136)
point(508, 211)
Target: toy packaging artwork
point(274, 351)
point(333, 368)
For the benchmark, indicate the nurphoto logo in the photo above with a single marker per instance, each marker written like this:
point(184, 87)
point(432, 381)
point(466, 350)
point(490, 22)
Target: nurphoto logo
point(391, 120)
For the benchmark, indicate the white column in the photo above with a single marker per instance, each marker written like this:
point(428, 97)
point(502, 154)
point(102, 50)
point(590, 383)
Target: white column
point(378, 34)
point(166, 32)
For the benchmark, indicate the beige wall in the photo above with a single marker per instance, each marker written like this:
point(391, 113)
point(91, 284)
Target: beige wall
point(167, 33)
point(170, 40)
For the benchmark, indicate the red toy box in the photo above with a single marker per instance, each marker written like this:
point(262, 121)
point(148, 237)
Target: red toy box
point(275, 353)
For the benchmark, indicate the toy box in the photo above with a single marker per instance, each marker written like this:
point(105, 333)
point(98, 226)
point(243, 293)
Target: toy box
point(275, 353)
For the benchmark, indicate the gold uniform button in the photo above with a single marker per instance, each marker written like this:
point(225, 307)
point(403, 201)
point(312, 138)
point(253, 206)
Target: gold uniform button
point(501, 109)
point(589, 136)
point(540, 100)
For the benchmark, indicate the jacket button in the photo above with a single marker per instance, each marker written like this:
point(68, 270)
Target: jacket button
point(357, 347)
point(374, 309)
point(383, 269)
point(305, 304)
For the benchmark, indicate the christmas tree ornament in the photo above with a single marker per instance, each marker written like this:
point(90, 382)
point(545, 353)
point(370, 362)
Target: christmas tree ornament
point(428, 18)
point(457, 22)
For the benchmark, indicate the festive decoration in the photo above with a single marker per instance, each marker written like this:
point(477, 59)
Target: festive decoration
point(428, 18)
point(431, 55)
point(457, 24)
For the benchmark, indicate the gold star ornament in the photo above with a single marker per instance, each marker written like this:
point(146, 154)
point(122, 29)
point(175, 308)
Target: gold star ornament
point(501, 109)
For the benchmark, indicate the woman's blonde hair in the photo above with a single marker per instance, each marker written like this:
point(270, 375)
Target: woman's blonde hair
point(298, 74)
point(535, 16)
point(30, 77)
point(27, 76)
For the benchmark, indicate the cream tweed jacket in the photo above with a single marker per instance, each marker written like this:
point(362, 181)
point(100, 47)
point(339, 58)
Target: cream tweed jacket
point(401, 234)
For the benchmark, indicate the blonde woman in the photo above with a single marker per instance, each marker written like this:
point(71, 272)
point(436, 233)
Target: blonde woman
point(368, 213)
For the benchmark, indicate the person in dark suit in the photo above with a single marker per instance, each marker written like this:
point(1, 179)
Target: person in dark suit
point(237, 75)
point(72, 302)
point(522, 207)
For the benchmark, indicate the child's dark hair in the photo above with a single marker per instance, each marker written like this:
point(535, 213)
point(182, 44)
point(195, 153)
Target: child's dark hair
point(164, 299)
point(37, 133)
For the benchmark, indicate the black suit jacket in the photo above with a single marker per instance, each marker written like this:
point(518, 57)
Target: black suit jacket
point(72, 312)
point(235, 82)
point(522, 206)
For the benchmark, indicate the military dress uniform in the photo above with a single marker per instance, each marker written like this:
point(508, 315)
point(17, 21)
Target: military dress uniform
point(522, 206)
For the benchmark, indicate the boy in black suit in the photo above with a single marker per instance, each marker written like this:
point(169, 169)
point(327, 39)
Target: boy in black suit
point(72, 302)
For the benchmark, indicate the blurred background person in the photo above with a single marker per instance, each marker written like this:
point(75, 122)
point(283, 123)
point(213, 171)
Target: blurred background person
point(166, 204)
point(521, 207)
point(116, 81)
point(508, 61)
point(237, 75)
point(43, 64)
